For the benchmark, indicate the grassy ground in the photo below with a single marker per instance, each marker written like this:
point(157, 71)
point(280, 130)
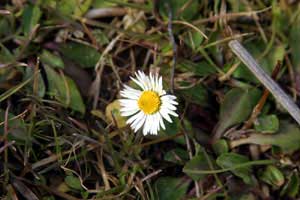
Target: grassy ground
point(62, 66)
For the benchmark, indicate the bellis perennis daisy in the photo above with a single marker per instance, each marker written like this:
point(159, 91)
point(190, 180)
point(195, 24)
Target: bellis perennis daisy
point(148, 106)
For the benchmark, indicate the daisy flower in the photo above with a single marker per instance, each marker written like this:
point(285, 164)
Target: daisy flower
point(148, 106)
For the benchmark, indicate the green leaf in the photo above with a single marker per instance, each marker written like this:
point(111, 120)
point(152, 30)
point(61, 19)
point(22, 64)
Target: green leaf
point(273, 176)
point(14, 89)
point(103, 4)
point(200, 69)
point(51, 59)
point(288, 138)
point(73, 7)
point(170, 188)
point(5, 54)
point(17, 129)
point(198, 162)
point(66, 7)
point(236, 108)
point(100, 37)
point(41, 90)
point(294, 41)
point(172, 129)
point(82, 7)
point(231, 159)
point(177, 155)
point(5, 27)
point(31, 17)
point(73, 182)
point(188, 13)
point(64, 90)
point(267, 124)
point(193, 39)
point(220, 147)
point(81, 54)
point(197, 94)
point(291, 188)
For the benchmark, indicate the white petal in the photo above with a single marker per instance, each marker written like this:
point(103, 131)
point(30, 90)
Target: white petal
point(156, 122)
point(127, 102)
point(129, 112)
point(137, 124)
point(146, 125)
point(161, 122)
point(139, 83)
point(137, 116)
point(168, 106)
point(165, 115)
point(130, 92)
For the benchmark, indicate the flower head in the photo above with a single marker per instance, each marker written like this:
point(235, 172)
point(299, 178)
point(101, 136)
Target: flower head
point(148, 106)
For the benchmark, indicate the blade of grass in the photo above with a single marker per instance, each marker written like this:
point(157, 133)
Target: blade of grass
point(246, 164)
point(15, 89)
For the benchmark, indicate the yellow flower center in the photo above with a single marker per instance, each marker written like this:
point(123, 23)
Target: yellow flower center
point(149, 102)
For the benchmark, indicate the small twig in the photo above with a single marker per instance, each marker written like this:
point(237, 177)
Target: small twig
point(174, 45)
point(149, 176)
point(191, 26)
point(230, 16)
point(265, 79)
point(5, 12)
point(226, 76)
point(5, 146)
point(105, 12)
point(99, 70)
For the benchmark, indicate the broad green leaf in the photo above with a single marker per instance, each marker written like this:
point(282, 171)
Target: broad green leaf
point(5, 55)
point(220, 147)
point(17, 128)
point(81, 54)
point(31, 17)
point(66, 7)
point(64, 90)
point(73, 7)
point(172, 129)
point(177, 155)
point(198, 162)
point(100, 37)
point(170, 188)
point(291, 188)
point(200, 69)
point(5, 27)
point(197, 94)
point(51, 59)
point(181, 9)
point(41, 89)
point(102, 4)
point(73, 182)
point(273, 176)
point(267, 124)
point(236, 108)
point(287, 138)
point(231, 159)
point(193, 39)
point(82, 7)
